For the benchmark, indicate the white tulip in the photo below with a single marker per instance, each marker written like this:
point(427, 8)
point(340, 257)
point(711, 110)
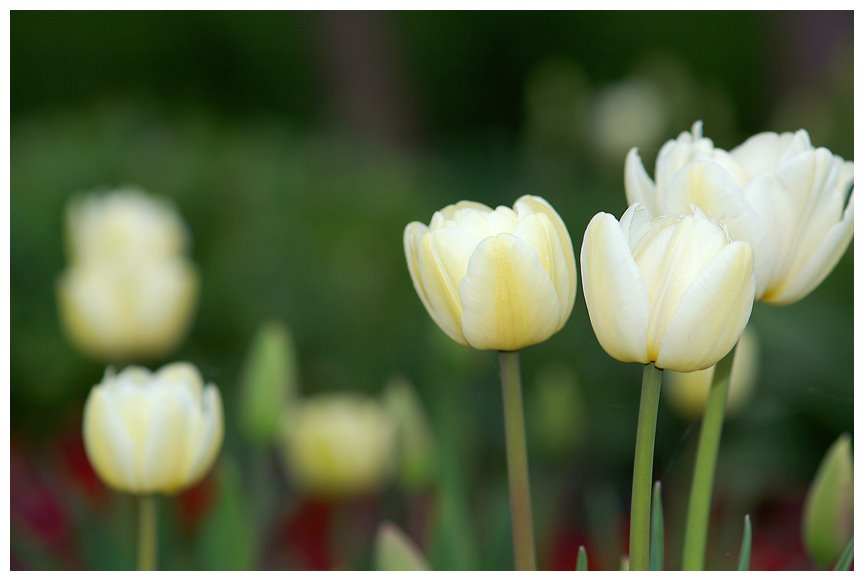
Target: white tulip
point(340, 445)
point(675, 291)
point(127, 311)
point(787, 199)
point(153, 432)
point(494, 279)
point(125, 224)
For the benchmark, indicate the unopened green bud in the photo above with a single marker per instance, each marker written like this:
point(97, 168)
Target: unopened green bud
point(269, 383)
point(416, 443)
point(394, 551)
point(828, 509)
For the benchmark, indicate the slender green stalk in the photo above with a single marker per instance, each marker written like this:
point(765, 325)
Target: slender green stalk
point(655, 561)
point(517, 463)
point(643, 467)
point(147, 515)
point(696, 529)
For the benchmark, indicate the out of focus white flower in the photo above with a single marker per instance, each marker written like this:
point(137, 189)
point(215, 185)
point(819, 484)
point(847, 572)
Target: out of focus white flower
point(631, 113)
point(687, 393)
point(129, 291)
point(775, 191)
point(340, 445)
point(123, 312)
point(153, 432)
point(123, 225)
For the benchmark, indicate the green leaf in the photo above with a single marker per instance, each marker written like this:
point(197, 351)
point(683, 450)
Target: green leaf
point(827, 523)
point(227, 539)
point(655, 557)
point(845, 560)
point(746, 541)
point(582, 559)
point(394, 551)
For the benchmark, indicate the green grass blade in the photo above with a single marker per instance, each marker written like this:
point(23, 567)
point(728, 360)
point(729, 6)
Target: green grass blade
point(746, 541)
point(846, 558)
point(655, 559)
point(582, 559)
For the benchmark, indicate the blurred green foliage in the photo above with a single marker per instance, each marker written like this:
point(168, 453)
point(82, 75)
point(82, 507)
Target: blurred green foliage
point(297, 215)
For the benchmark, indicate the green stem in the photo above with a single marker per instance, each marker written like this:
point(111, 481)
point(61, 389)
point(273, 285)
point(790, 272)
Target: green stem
point(147, 514)
point(696, 529)
point(643, 467)
point(517, 463)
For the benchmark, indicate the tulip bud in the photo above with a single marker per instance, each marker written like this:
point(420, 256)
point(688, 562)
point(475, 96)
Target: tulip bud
point(269, 383)
point(494, 279)
point(674, 290)
point(394, 551)
point(414, 435)
point(787, 199)
point(340, 445)
point(153, 432)
point(828, 509)
point(129, 291)
point(687, 393)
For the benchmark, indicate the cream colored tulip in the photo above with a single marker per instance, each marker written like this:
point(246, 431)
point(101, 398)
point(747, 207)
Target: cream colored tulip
point(494, 279)
point(687, 393)
point(777, 192)
point(153, 432)
point(675, 291)
point(123, 224)
point(340, 445)
point(128, 311)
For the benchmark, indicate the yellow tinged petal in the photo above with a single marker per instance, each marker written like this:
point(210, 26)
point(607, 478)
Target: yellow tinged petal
point(445, 307)
point(615, 294)
point(712, 313)
point(509, 300)
point(107, 443)
point(539, 205)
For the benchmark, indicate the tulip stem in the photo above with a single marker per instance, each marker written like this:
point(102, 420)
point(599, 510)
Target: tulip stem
point(698, 511)
point(147, 515)
point(643, 468)
point(517, 463)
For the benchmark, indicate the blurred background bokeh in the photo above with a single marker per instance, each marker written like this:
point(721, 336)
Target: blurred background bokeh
point(297, 146)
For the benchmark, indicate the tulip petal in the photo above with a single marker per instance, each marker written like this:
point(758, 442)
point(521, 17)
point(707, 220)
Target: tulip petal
point(108, 445)
point(509, 300)
point(637, 185)
point(568, 292)
point(712, 312)
point(709, 187)
point(615, 294)
point(452, 211)
point(206, 440)
point(432, 284)
point(162, 446)
point(819, 265)
point(762, 152)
